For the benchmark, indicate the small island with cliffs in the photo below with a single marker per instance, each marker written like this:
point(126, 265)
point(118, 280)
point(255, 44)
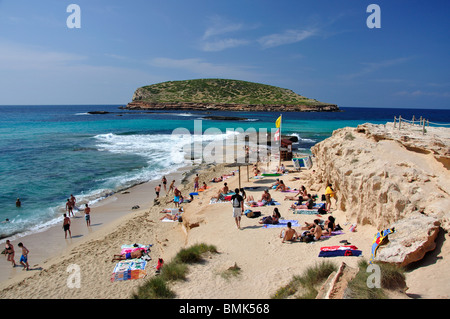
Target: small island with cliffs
point(223, 95)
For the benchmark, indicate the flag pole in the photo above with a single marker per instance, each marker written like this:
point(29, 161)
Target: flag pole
point(279, 145)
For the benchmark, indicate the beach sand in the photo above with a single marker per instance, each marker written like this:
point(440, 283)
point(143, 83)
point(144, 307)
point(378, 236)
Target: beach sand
point(266, 263)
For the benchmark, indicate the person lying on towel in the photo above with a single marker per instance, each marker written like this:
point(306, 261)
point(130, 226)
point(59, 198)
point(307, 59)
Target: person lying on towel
point(130, 255)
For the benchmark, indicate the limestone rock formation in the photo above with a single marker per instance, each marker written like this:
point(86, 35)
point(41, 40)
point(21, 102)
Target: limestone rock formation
point(383, 175)
point(415, 235)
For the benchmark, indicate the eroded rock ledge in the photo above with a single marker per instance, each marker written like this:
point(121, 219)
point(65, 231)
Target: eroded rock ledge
point(390, 178)
point(144, 105)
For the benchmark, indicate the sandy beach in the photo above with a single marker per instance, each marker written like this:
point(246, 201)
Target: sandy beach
point(266, 263)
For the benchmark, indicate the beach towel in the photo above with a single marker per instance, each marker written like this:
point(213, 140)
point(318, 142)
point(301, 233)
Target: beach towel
point(334, 248)
point(290, 191)
point(333, 233)
point(340, 253)
point(306, 211)
point(167, 220)
point(193, 193)
point(381, 238)
point(218, 201)
point(282, 223)
point(133, 247)
point(129, 269)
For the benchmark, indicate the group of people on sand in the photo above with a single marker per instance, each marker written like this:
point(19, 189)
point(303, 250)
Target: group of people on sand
point(178, 198)
point(70, 205)
point(311, 231)
point(10, 253)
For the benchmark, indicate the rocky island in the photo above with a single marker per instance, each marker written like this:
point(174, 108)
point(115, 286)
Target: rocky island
point(223, 95)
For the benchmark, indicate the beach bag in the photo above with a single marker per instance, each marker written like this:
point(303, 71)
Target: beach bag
point(324, 198)
point(236, 202)
point(252, 214)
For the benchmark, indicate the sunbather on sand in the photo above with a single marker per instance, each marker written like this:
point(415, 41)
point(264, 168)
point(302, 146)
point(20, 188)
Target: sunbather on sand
point(302, 193)
point(131, 255)
point(308, 205)
point(314, 234)
point(266, 198)
point(288, 234)
point(276, 183)
point(271, 219)
point(170, 217)
point(329, 226)
point(281, 187)
point(170, 210)
point(220, 194)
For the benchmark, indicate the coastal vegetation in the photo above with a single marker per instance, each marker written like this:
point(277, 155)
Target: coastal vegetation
point(306, 285)
point(157, 287)
point(223, 94)
point(221, 91)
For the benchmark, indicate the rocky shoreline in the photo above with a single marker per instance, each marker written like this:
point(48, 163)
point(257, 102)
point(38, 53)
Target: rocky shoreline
point(144, 105)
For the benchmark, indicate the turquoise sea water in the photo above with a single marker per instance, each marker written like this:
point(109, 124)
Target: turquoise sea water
point(50, 152)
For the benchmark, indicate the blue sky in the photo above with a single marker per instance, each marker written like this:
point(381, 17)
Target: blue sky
point(322, 49)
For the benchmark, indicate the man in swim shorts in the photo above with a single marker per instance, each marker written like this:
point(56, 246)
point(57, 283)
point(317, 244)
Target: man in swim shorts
point(238, 207)
point(131, 255)
point(87, 215)
point(66, 226)
point(196, 183)
point(24, 258)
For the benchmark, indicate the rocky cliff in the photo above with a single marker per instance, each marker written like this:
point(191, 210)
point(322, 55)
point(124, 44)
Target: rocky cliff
point(143, 105)
point(388, 177)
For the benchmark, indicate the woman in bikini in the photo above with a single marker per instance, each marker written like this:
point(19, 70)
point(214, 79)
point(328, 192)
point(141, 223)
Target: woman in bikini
point(9, 251)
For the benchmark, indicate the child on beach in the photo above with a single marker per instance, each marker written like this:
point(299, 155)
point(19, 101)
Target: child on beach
point(24, 257)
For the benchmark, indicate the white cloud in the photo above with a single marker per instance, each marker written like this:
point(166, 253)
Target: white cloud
point(203, 68)
point(286, 37)
point(370, 67)
point(219, 26)
point(220, 45)
point(18, 57)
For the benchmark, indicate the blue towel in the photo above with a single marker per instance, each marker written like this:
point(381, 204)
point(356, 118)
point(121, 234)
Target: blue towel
point(340, 253)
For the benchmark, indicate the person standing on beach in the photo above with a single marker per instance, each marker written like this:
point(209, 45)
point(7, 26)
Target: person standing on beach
point(196, 183)
point(177, 197)
point(171, 187)
point(69, 207)
point(329, 192)
point(73, 201)
point(164, 181)
point(9, 252)
point(87, 215)
point(238, 207)
point(66, 226)
point(24, 257)
point(157, 190)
